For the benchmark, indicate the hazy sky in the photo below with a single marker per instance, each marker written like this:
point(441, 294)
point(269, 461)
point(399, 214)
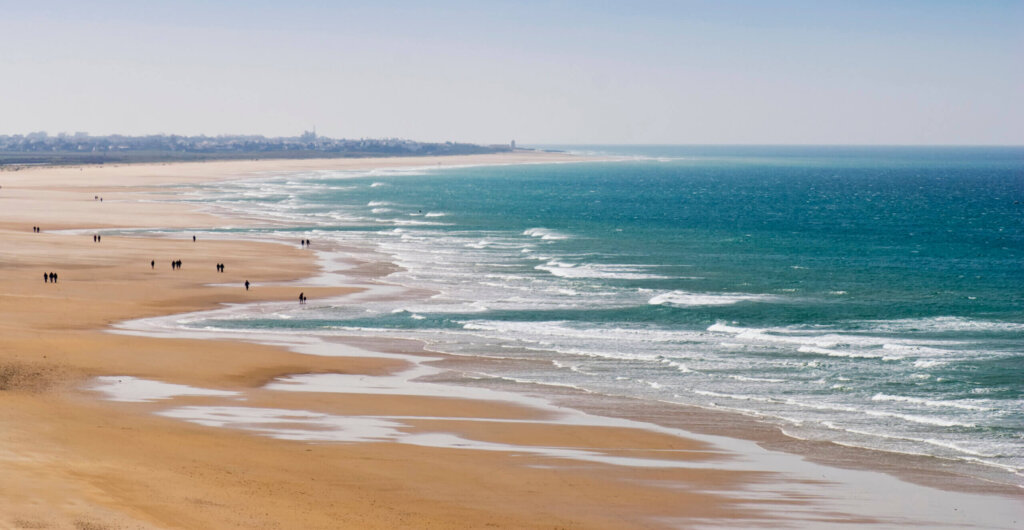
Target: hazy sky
point(818, 72)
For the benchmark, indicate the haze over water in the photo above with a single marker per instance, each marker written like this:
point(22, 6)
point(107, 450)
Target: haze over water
point(868, 296)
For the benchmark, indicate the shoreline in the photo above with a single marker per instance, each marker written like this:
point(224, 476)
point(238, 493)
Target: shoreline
point(923, 470)
point(648, 505)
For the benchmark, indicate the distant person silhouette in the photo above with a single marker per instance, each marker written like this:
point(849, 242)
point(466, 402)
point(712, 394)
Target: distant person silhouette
point(53, 277)
point(193, 239)
point(152, 263)
point(246, 285)
point(46, 277)
point(302, 298)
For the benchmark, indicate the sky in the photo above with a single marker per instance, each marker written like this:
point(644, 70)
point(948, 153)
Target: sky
point(576, 72)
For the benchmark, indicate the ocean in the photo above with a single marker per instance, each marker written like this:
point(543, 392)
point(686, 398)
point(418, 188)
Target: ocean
point(868, 296)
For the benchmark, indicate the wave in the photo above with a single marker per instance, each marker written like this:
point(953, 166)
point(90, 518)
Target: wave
point(913, 418)
point(596, 271)
point(928, 402)
point(841, 343)
point(410, 222)
point(942, 324)
point(930, 441)
point(544, 233)
point(545, 332)
point(927, 420)
point(838, 353)
point(687, 299)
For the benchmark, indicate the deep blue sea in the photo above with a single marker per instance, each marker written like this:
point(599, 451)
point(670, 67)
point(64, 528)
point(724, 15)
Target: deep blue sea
point(871, 296)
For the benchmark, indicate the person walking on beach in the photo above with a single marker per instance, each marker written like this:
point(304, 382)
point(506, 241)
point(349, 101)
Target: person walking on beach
point(246, 285)
point(53, 277)
point(193, 239)
point(152, 263)
point(46, 277)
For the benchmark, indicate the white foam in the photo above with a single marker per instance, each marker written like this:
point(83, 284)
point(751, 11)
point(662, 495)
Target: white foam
point(927, 420)
point(544, 233)
point(133, 389)
point(592, 270)
point(942, 324)
point(929, 402)
point(837, 353)
point(687, 299)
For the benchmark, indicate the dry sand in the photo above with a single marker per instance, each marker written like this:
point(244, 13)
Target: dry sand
point(70, 459)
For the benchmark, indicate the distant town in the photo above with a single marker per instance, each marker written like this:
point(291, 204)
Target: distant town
point(82, 148)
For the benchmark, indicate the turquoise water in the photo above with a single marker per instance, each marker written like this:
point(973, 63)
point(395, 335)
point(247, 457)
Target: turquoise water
point(869, 296)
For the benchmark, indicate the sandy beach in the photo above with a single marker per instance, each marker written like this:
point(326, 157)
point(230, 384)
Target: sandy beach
point(107, 430)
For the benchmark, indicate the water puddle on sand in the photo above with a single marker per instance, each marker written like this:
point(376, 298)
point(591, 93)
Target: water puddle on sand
point(310, 426)
point(135, 390)
point(826, 491)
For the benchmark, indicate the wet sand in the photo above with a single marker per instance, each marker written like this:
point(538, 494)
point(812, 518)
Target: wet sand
point(361, 457)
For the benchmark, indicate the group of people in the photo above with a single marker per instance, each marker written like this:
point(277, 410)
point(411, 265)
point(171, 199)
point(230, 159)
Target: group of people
point(97, 198)
point(304, 242)
point(36, 229)
point(176, 264)
point(49, 277)
point(220, 267)
point(96, 238)
point(302, 298)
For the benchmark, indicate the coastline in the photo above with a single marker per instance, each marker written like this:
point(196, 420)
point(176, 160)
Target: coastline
point(372, 484)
